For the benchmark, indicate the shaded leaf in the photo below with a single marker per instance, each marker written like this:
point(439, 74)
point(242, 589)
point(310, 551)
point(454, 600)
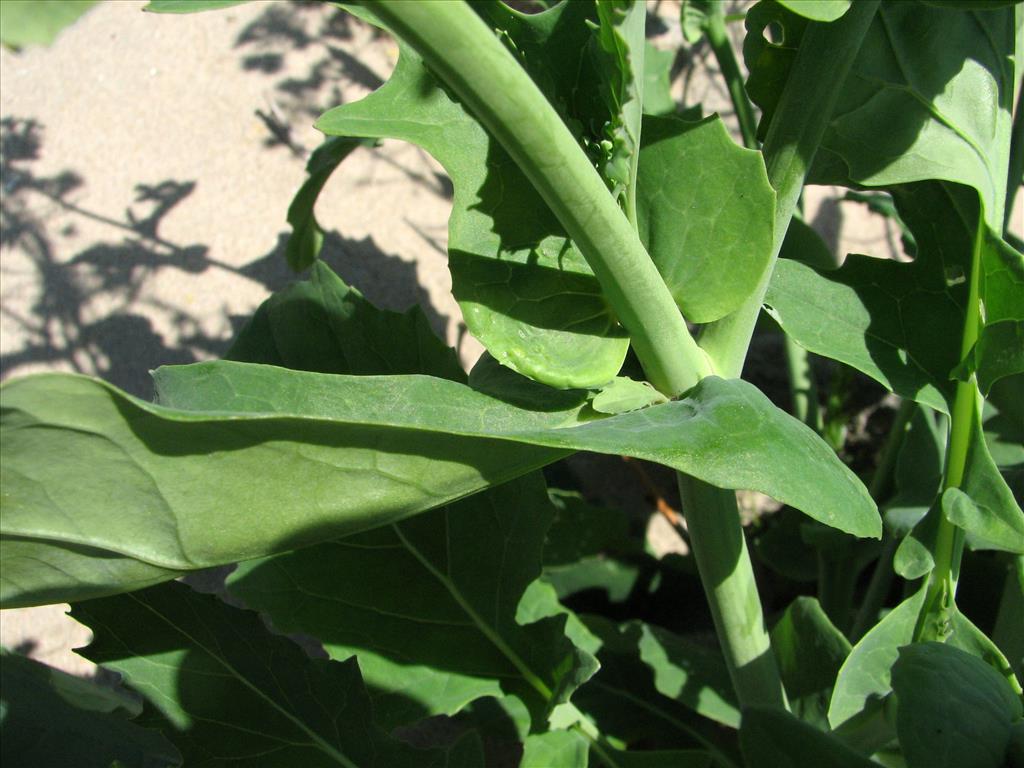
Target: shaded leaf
point(773, 738)
point(428, 606)
point(697, 188)
point(555, 749)
point(53, 718)
point(326, 326)
point(986, 508)
point(970, 729)
point(810, 652)
point(209, 672)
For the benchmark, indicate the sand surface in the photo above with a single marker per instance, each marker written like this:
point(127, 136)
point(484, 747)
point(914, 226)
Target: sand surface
point(147, 165)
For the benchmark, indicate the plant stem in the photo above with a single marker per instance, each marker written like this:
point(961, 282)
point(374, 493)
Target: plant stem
point(802, 386)
point(468, 57)
point(964, 419)
point(727, 575)
point(796, 130)
point(718, 37)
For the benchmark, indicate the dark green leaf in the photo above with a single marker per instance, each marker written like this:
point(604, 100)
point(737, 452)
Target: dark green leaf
point(773, 738)
point(805, 245)
point(998, 353)
point(525, 290)
point(38, 22)
point(53, 718)
point(810, 651)
point(954, 711)
point(866, 676)
point(986, 509)
point(324, 325)
point(228, 692)
point(697, 187)
point(428, 606)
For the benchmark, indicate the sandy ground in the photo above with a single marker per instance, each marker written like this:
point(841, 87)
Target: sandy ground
point(147, 164)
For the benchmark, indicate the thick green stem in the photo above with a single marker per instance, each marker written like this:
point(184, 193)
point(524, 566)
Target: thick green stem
point(718, 37)
point(822, 63)
point(720, 549)
point(469, 58)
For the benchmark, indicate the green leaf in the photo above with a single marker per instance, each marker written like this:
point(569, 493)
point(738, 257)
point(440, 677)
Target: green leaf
point(53, 718)
point(986, 508)
point(525, 290)
point(805, 245)
point(38, 22)
point(687, 672)
point(999, 352)
point(307, 237)
point(817, 10)
point(657, 81)
point(772, 738)
point(189, 6)
point(677, 758)
point(708, 231)
point(231, 439)
point(428, 606)
point(226, 691)
point(555, 749)
point(624, 395)
point(324, 325)
point(810, 651)
point(918, 474)
point(967, 637)
point(970, 729)
point(866, 676)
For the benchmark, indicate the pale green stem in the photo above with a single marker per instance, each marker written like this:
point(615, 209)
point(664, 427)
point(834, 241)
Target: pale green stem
point(822, 63)
point(460, 48)
point(720, 549)
point(802, 385)
point(718, 37)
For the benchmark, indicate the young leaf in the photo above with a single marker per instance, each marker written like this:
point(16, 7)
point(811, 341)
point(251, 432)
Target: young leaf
point(810, 652)
point(984, 505)
point(953, 711)
point(555, 749)
point(683, 207)
point(226, 691)
point(866, 676)
point(307, 237)
point(428, 606)
point(525, 290)
point(773, 738)
point(53, 718)
point(231, 439)
point(624, 395)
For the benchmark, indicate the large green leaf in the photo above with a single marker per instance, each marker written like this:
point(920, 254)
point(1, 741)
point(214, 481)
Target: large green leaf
point(866, 676)
point(38, 22)
point(773, 738)
point(954, 710)
point(232, 439)
point(705, 213)
point(189, 6)
point(810, 652)
point(227, 692)
point(525, 290)
point(53, 718)
point(429, 605)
